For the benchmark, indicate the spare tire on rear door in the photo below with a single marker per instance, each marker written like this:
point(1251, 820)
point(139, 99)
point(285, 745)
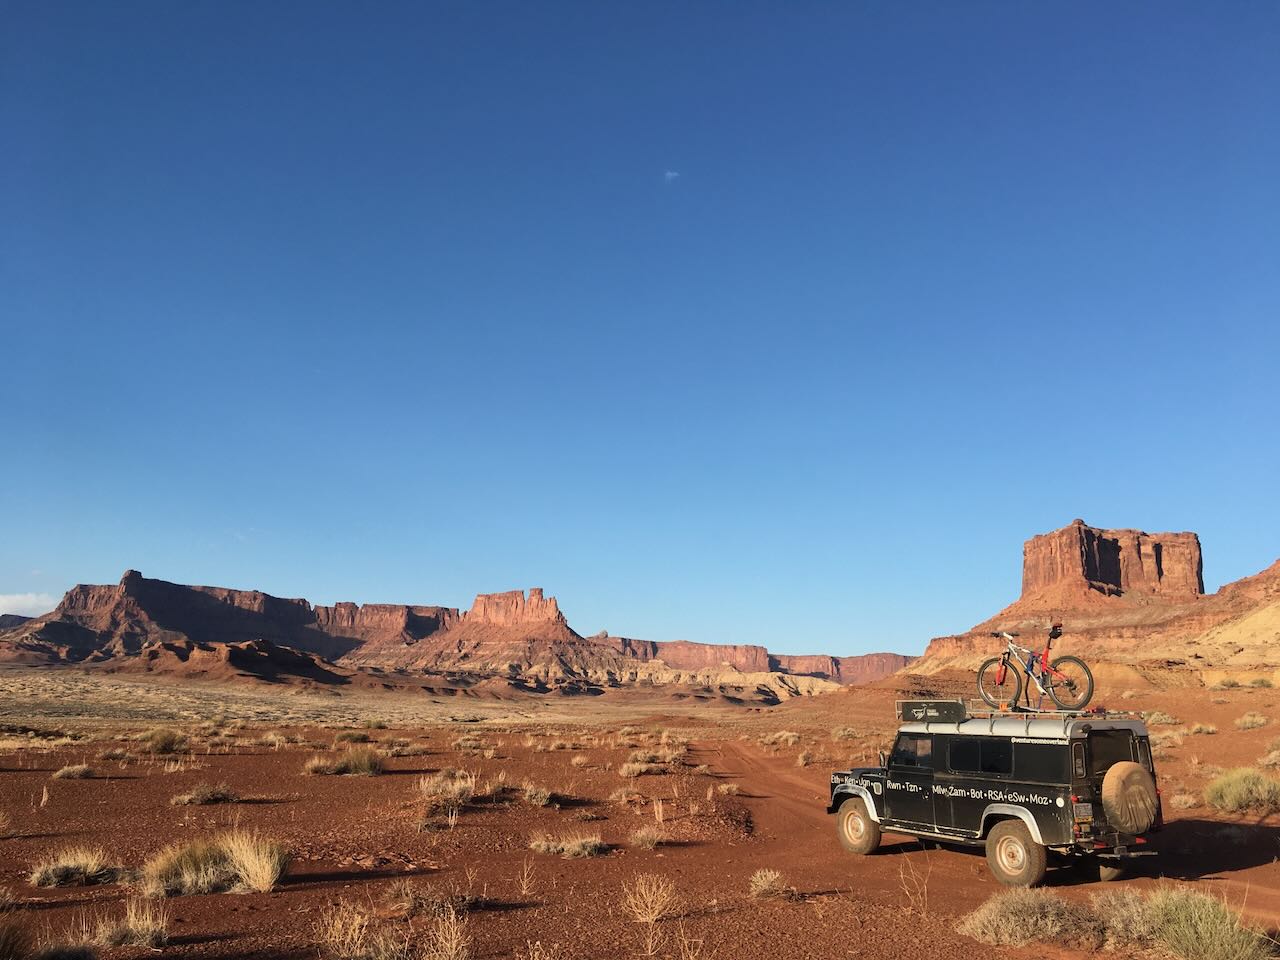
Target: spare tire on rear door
point(1129, 797)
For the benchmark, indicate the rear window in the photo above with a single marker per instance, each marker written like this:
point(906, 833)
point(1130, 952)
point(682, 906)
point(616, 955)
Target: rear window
point(1107, 748)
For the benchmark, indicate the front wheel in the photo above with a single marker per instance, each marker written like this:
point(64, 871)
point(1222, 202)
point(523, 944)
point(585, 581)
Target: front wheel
point(857, 831)
point(1069, 683)
point(999, 682)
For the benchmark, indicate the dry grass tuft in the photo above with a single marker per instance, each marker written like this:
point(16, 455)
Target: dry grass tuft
point(646, 838)
point(77, 771)
point(145, 924)
point(783, 738)
point(1184, 801)
point(237, 860)
point(1251, 721)
point(1158, 718)
point(75, 866)
point(356, 762)
point(768, 884)
point(163, 742)
point(204, 793)
point(1243, 790)
point(1018, 917)
point(536, 795)
point(649, 898)
point(352, 736)
point(570, 847)
point(631, 770)
point(1206, 729)
point(1185, 923)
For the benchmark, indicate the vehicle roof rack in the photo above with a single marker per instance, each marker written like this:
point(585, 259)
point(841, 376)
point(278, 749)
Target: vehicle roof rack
point(957, 711)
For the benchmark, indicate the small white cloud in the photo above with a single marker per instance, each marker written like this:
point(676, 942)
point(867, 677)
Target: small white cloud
point(669, 176)
point(27, 604)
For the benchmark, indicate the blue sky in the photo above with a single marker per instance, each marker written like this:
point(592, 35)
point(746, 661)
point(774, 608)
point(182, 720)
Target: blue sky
point(733, 322)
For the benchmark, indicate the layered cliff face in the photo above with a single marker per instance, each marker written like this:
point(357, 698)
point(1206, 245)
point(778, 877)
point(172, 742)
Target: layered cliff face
point(1126, 596)
point(1078, 558)
point(511, 634)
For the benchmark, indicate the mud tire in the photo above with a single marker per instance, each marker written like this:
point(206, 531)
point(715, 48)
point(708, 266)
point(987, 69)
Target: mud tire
point(858, 833)
point(1014, 858)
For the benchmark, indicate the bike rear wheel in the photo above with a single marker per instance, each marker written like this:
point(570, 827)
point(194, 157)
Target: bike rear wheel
point(1069, 683)
point(996, 686)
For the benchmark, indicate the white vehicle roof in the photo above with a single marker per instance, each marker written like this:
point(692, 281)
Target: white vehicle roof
point(1038, 726)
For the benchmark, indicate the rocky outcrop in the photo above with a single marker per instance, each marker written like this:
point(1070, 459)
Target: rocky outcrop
point(10, 620)
point(511, 635)
point(1124, 596)
point(1078, 558)
point(513, 608)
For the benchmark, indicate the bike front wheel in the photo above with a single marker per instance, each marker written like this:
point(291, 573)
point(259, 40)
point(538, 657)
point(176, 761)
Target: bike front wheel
point(1069, 683)
point(999, 682)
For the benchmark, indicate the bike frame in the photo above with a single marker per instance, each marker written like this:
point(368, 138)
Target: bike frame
point(1035, 667)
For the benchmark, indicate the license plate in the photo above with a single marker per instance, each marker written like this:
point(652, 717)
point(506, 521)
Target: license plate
point(1082, 811)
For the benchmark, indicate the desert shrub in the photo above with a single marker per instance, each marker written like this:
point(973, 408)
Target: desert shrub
point(352, 736)
point(580, 760)
point(1271, 759)
point(783, 738)
point(1261, 682)
point(1126, 918)
point(1251, 721)
point(536, 795)
point(1017, 917)
point(356, 762)
point(15, 942)
point(728, 789)
point(204, 793)
point(234, 861)
point(631, 770)
point(447, 788)
point(469, 744)
point(1226, 683)
point(844, 733)
point(570, 847)
point(649, 898)
point(1167, 739)
point(163, 742)
point(114, 753)
point(145, 924)
point(1243, 790)
point(446, 939)
point(75, 866)
point(804, 758)
point(375, 724)
point(346, 932)
point(1197, 926)
point(768, 884)
point(1190, 925)
point(407, 898)
point(1206, 729)
point(646, 838)
point(1184, 801)
point(77, 771)
point(1158, 718)
point(1128, 694)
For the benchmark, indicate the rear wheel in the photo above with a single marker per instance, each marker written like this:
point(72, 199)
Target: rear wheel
point(1069, 683)
point(1015, 859)
point(995, 689)
point(857, 831)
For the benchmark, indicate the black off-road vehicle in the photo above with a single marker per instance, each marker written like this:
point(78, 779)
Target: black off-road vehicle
point(1022, 784)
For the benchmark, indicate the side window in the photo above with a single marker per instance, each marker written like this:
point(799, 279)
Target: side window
point(1144, 754)
point(913, 750)
point(997, 756)
point(980, 755)
point(964, 755)
point(1040, 762)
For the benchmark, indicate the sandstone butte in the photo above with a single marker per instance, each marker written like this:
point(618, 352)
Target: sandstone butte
point(512, 635)
point(1126, 597)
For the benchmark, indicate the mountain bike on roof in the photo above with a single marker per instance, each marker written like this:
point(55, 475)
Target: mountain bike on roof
point(1067, 681)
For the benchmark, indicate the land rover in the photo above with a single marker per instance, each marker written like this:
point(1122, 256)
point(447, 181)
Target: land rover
point(1020, 784)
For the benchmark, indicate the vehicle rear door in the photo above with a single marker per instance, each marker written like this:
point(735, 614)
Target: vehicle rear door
point(908, 788)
